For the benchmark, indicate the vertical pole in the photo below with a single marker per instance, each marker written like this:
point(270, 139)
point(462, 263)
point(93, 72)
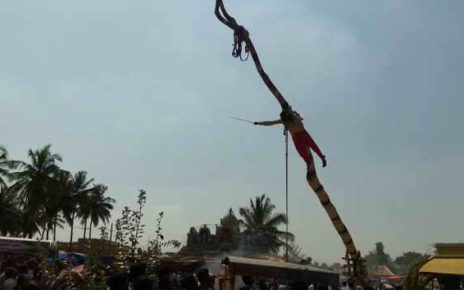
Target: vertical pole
point(72, 231)
point(286, 192)
point(54, 228)
point(111, 232)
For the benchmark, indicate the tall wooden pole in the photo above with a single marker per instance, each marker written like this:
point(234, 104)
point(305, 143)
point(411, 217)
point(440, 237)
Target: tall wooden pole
point(286, 192)
point(111, 232)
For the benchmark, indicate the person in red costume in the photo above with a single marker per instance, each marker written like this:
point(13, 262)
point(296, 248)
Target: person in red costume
point(303, 142)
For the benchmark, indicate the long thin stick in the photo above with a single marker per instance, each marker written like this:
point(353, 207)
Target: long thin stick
point(243, 120)
point(286, 192)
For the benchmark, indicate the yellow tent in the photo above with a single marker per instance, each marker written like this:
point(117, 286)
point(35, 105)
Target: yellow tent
point(449, 260)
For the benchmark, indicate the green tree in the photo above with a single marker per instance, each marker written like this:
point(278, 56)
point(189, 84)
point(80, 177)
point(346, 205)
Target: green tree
point(27, 225)
point(406, 261)
point(260, 220)
point(122, 227)
point(141, 200)
point(378, 257)
point(78, 188)
point(6, 165)
point(9, 211)
point(57, 193)
point(416, 280)
point(296, 252)
point(135, 226)
point(59, 200)
point(100, 207)
point(33, 183)
point(84, 210)
point(155, 246)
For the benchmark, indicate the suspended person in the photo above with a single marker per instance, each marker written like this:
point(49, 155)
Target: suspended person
point(303, 142)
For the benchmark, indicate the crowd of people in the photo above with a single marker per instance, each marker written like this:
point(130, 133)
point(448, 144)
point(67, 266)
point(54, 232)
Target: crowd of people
point(19, 272)
point(26, 273)
point(29, 273)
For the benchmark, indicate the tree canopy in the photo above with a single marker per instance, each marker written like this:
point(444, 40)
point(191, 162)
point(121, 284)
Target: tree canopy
point(38, 195)
point(260, 220)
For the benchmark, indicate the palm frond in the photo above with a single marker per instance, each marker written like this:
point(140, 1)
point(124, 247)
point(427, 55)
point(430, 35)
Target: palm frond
point(276, 220)
point(260, 220)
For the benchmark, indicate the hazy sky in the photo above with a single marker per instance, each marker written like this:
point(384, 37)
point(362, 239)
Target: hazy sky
point(139, 93)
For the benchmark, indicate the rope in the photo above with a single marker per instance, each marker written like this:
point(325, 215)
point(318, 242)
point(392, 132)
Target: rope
point(240, 36)
point(242, 42)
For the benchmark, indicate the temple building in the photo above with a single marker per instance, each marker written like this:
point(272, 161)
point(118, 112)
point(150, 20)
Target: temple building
point(227, 238)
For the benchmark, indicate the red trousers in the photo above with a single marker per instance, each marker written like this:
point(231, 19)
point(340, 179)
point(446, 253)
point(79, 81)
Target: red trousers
point(303, 143)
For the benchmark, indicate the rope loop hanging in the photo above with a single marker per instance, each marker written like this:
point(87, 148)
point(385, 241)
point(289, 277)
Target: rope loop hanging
point(243, 47)
point(241, 37)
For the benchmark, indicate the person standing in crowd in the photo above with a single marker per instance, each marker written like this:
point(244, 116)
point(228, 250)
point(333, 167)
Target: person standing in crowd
point(248, 281)
point(10, 279)
point(118, 281)
point(205, 279)
point(262, 285)
point(189, 283)
point(164, 279)
point(345, 286)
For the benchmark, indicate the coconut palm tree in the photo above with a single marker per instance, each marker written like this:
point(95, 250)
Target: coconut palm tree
point(28, 225)
point(86, 206)
point(9, 211)
point(79, 188)
point(36, 178)
point(59, 200)
point(259, 220)
point(5, 166)
point(99, 207)
point(84, 211)
point(34, 184)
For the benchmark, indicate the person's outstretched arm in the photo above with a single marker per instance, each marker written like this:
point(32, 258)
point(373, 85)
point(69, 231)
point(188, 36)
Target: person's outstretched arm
point(268, 123)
